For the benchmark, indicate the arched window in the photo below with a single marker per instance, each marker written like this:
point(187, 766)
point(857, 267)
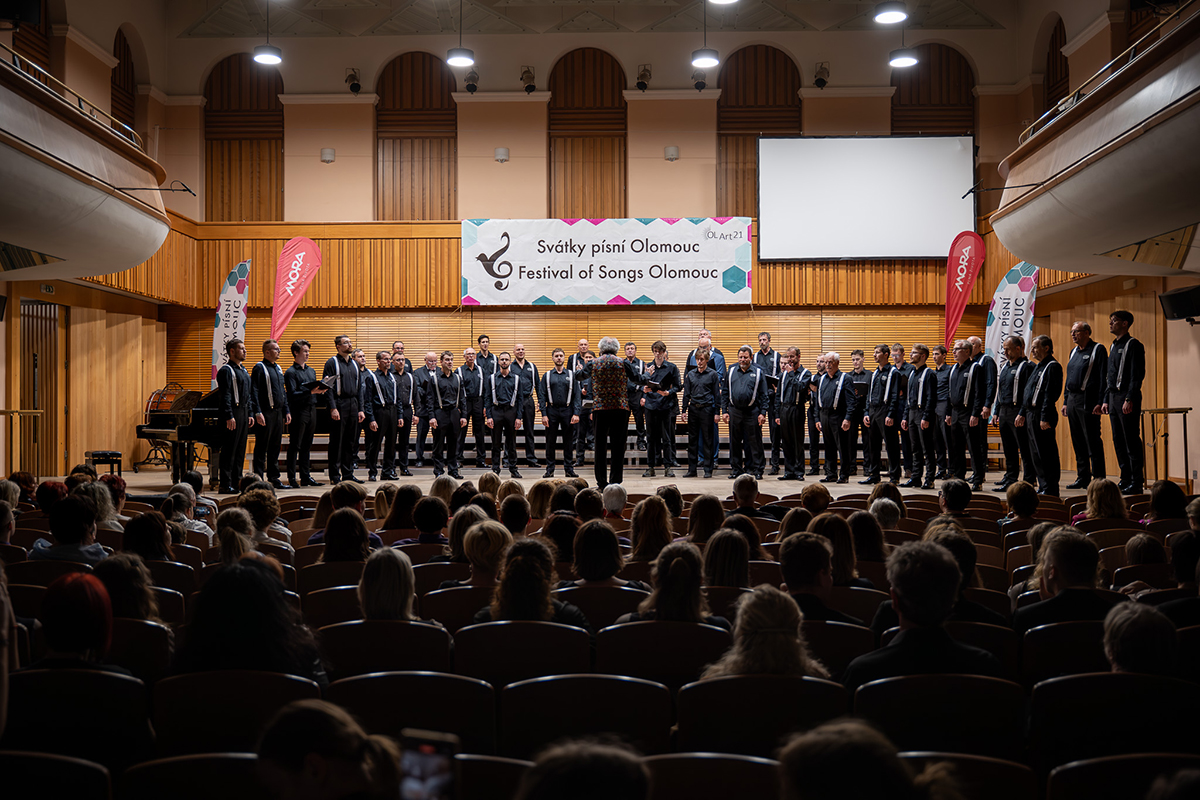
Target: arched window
point(587, 122)
point(936, 96)
point(416, 134)
point(124, 84)
point(760, 93)
point(1058, 75)
point(243, 133)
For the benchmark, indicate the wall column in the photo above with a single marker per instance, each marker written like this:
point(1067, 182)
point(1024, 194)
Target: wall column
point(681, 118)
point(518, 189)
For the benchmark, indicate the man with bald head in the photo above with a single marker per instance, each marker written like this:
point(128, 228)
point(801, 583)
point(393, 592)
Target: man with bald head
point(528, 373)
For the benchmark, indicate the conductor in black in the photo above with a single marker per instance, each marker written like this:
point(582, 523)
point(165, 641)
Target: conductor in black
point(233, 394)
point(444, 407)
point(345, 409)
point(269, 405)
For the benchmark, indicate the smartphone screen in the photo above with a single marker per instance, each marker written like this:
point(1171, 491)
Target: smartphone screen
point(427, 763)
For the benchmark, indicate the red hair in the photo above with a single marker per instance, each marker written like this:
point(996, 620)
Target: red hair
point(116, 486)
point(77, 615)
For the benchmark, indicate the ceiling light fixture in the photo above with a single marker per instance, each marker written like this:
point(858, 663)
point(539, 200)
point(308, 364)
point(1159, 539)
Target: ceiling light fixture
point(460, 56)
point(268, 53)
point(705, 57)
point(904, 57)
point(643, 77)
point(890, 12)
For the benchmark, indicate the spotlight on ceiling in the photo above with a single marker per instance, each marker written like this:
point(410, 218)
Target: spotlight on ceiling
point(643, 77)
point(821, 76)
point(527, 80)
point(353, 81)
point(890, 12)
point(472, 82)
point(698, 80)
point(904, 57)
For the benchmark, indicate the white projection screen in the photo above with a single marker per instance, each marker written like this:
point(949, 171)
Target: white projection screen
point(871, 197)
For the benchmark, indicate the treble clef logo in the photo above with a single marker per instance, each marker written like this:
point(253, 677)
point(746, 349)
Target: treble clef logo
point(489, 264)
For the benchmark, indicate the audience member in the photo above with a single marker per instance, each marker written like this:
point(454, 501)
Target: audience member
point(462, 495)
point(387, 588)
point(585, 771)
point(598, 559)
point(194, 479)
point(484, 545)
point(85, 469)
point(888, 491)
point(1023, 501)
point(349, 494)
point(649, 529)
point(489, 483)
point(487, 503)
point(346, 537)
point(507, 488)
point(1104, 501)
point(49, 493)
point(1034, 536)
point(1167, 501)
point(589, 505)
point(399, 517)
point(559, 532)
point(727, 560)
point(865, 530)
point(673, 498)
point(523, 592)
point(1142, 548)
point(1185, 551)
point(28, 485)
point(745, 494)
point(148, 536)
point(443, 487)
point(76, 617)
point(384, 495)
point(77, 479)
point(73, 527)
point(615, 497)
point(796, 520)
point(10, 493)
point(129, 585)
point(705, 517)
point(1140, 638)
point(429, 517)
point(263, 507)
point(837, 531)
point(767, 639)
point(816, 498)
point(539, 495)
point(460, 523)
point(188, 515)
point(1068, 571)
point(8, 522)
point(515, 515)
point(322, 511)
point(676, 596)
point(235, 534)
point(562, 500)
point(806, 563)
point(954, 497)
point(885, 512)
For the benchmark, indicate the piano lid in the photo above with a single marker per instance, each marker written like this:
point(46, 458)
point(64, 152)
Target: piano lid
point(185, 402)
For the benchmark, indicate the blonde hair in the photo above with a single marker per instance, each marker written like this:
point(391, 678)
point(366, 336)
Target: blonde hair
point(460, 523)
point(386, 588)
point(484, 545)
point(1104, 500)
point(235, 529)
point(488, 483)
point(767, 639)
point(539, 498)
point(384, 496)
point(509, 487)
point(443, 487)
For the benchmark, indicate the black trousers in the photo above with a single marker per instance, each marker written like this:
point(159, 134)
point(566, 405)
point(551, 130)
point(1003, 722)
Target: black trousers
point(385, 420)
point(1043, 446)
point(1127, 440)
point(341, 439)
point(445, 439)
point(233, 450)
point(639, 415)
point(921, 444)
point(773, 433)
point(473, 411)
point(586, 427)
point(745, 442)
point(661, 437)
point(860, 439)
point(906, 451)
point(791, 438)
point(700, 430)
point(964, 438)
point(559, 428)
point(528, 417)
point(1085, 440)
point(504, 430)
point(267, 441)
point(941, 436)
point(837, 445)
point(1015, 442)
point(422, 437)
point(612, 429)
point(300, 439)
point(880, 434)
point(404, 414)
point(814, 440)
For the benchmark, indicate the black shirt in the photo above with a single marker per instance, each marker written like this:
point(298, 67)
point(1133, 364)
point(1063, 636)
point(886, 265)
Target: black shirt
point(746, 390)
point(794, 387)
point(702, 389)
point(560, 390)
point(1126, 369)
point(1013, 379)
point(233, 389)
point(667, 378)
point(502, 391)
point(1043, 389)
point(529, 377)
point(835, 393)
point(294, 379)
point(883, 393)
point(443, 393)
point(968, 387)
point(349, 378)
point(923, 392)
point(1087, 372)
point(267, 388)
point(472, 381)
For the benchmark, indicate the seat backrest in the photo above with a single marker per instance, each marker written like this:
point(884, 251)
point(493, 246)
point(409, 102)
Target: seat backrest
point(753, 714)
point(482, 777)
point(28, 774)
point(387, 702)
point(766, 572)
point(421, 553)
point(11, 553)
point(836, 644)
point(1000, 641)
point(1113, 558)
point(307, 555)
point(142, 647)
point(980, 777)
point(173, 575)
point(875, 572)
point(990, 555)
point(508, 651)
point(229, 776)
point(899, 537)
point(1062, 648)
point(1165, 527)
point(456, 608)
point(1160, 576)
point(222, 711)
point(1112, 777)
point(994, 578)
point(396, 535)
point(602, 605)
point(42, 573)
point(277, 550)
point(1018, 556)
point(189, 554)
point(990, 598)
point(26, 600)
point(689, 776)
point(331, 606)
point(430, 576)
point(671, 653)
point(171, 608)
point(362, 646)
point(637, 571)
point(536, 712)
point(721, 600)
point(325, 576)
point(911, 525)
point(856, 602)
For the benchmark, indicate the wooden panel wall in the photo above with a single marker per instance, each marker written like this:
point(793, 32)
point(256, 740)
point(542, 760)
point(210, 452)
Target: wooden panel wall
point(40, 373)
point(33, 41)
point(1058, 71)
point(936, 96)
point(172, 274)
point(587, 177)
point(124, 84)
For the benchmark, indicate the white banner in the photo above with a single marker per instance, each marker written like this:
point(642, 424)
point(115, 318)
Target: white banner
point(548, 262)
point(231, 315)
point(1011, 312)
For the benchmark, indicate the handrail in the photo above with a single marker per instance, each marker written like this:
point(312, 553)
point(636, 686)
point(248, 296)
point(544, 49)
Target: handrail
point(21, 64)
point(1065, 104)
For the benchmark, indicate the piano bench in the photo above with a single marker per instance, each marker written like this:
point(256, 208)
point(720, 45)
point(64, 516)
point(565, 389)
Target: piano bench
point(110, 457)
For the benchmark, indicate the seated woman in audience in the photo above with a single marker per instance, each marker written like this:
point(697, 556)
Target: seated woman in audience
point(384, 496)
point(28, 485)
point(589, 505)
point(429, 518)
point(129, 586)
point(888, 491)
point(346, 537)
point(1104, 501)
point(523, 592)
point(263, 507)
point(399, 516)
point(869, 544)
point(816, 498)
point(1140, 638)
point(483, 545)
point(676, 596)
point(649, 529)
point(705, 517)
point(72, 526)
point(235, 534)
point(148, 536)
point(837, 531)
point(443, 487)
point(1023, 501)
point(539, 495)
point(767, 639)
point(77, 479)
point(614, 497)
point(314, 750)
point(174, 507)
point(514, 514)
point(585, 770)
point(597, 558)
point(562, 500)
point(507, 488)
point(387, 588)
point(322, 511)
point(76, 617)
point(489, 483)
point(943, 522)
point(794, 521)
point(1167, 501)
point(487, 503)
point(1034, 536)
point(462, 495)
point(727, 560)
point(241, 620)
point(672, 497)
point(1143, 548)
point(116, 492)
point(559, 532)
point(886, 513)
point(10, 493)
point(49, 493)
point(849, 758)
point(460, 523)
point(743, 525)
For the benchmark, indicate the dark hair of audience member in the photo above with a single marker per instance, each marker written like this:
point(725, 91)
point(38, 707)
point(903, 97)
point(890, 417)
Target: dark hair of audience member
point(76, 616)
point(461, 495)
point(869, 544)
point(487, 502)
point(72, 519)
point(77, 479)
point(48, 493)
point(194, 479)
point(262, 505)
point(28, 485)
point(386, 588)
point(1140, 638)
point(515, 514)
point(235, 533)
point(589, 505)
point(1023, 500)
point(85, 469)
point(705, 517)
point(583, 770)
point(148, 536)
point(1181, 785)
point(964, 551)
point(673, 498)
point(596, 552)
point(767, 639)
point(241, 620)
point(560, 530)
point(314, 748)
point(1167, 501)
point(837, 531)
point(925, 581)
point(888, 491)
point(796, 520)
point(7, 521)
point(727, 560)
point(430, 515)
point(174, 505)
point(1074, 557)
point(749, 531)
point(526, 578)
point(562, 500)
point(802, 558)
point(956, 495)
point(1185, 553)
point(129, 585)
point(399, 516)
point(460, 523)
point(346, 537)
point(677, 575)
point(116, 488)
point(247, 481)
point(849, 758)
point(649, 529)
point(1142, 548)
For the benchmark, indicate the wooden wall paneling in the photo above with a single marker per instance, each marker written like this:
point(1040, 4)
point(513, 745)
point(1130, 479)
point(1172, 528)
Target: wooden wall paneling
point(124, 84)
point(172, 274)
point(587, 177)
point(90, 384)
point(41, 376)
point(936, 96)
point(153, 376)
point(737, 175)
point(1058, 78)
point(417, 178)
point(125, 394)
point(239, 84)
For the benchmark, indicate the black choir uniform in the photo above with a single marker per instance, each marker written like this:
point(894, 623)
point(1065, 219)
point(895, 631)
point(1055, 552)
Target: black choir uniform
point(1012, 382)
point(702, 400)
point(793, 394)
point(1083, 391)
point(268, 396)
point(233, 398)
point(634, 393)
point(472, 383)
point(836, 403)
point(941, 441)
point(883, 404)
point(1041, 394)
point(528, 405)
point(660, 411)
point(769, 363)
point(501, 404)
point(921, 400)
point(380, 407)
point(814, 435)
point(990, 375)
point(303, 405)
point(745, 401)
point(1126, 372)
point(968, 393)
point(906, 372)
point(716, 361)
point(347, 397)
point(408, 400)
point(486, 363)
point(585, 434)
point(423, 375)
point(560, 398)
point(444, 402)
point(860, 437)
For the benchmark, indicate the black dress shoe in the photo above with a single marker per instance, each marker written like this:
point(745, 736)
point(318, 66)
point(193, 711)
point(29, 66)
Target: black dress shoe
point(420, 462)
point(513, 473)
point(388, 476)
point(708, 474)
point(310, 481)
point(353, 479)
point(911, 483)
point(548, 473)
point(1078, 483)
point(976, 487)
point(829, 479)
point(788, 476)
point(758, 476)
point(869, 481)
point(927, 485)
point(372, 477)
point(691, 473)
point(571, 473)
point(437, 473)
point(227, 490)
point(668, 473)
point(814, 471)
point(649, 473)
point(480, 465)
point(406, 472)
point(1132, 488)
point(456, 475)
point(774, 470)
point(843, 480)
point(278, 484)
